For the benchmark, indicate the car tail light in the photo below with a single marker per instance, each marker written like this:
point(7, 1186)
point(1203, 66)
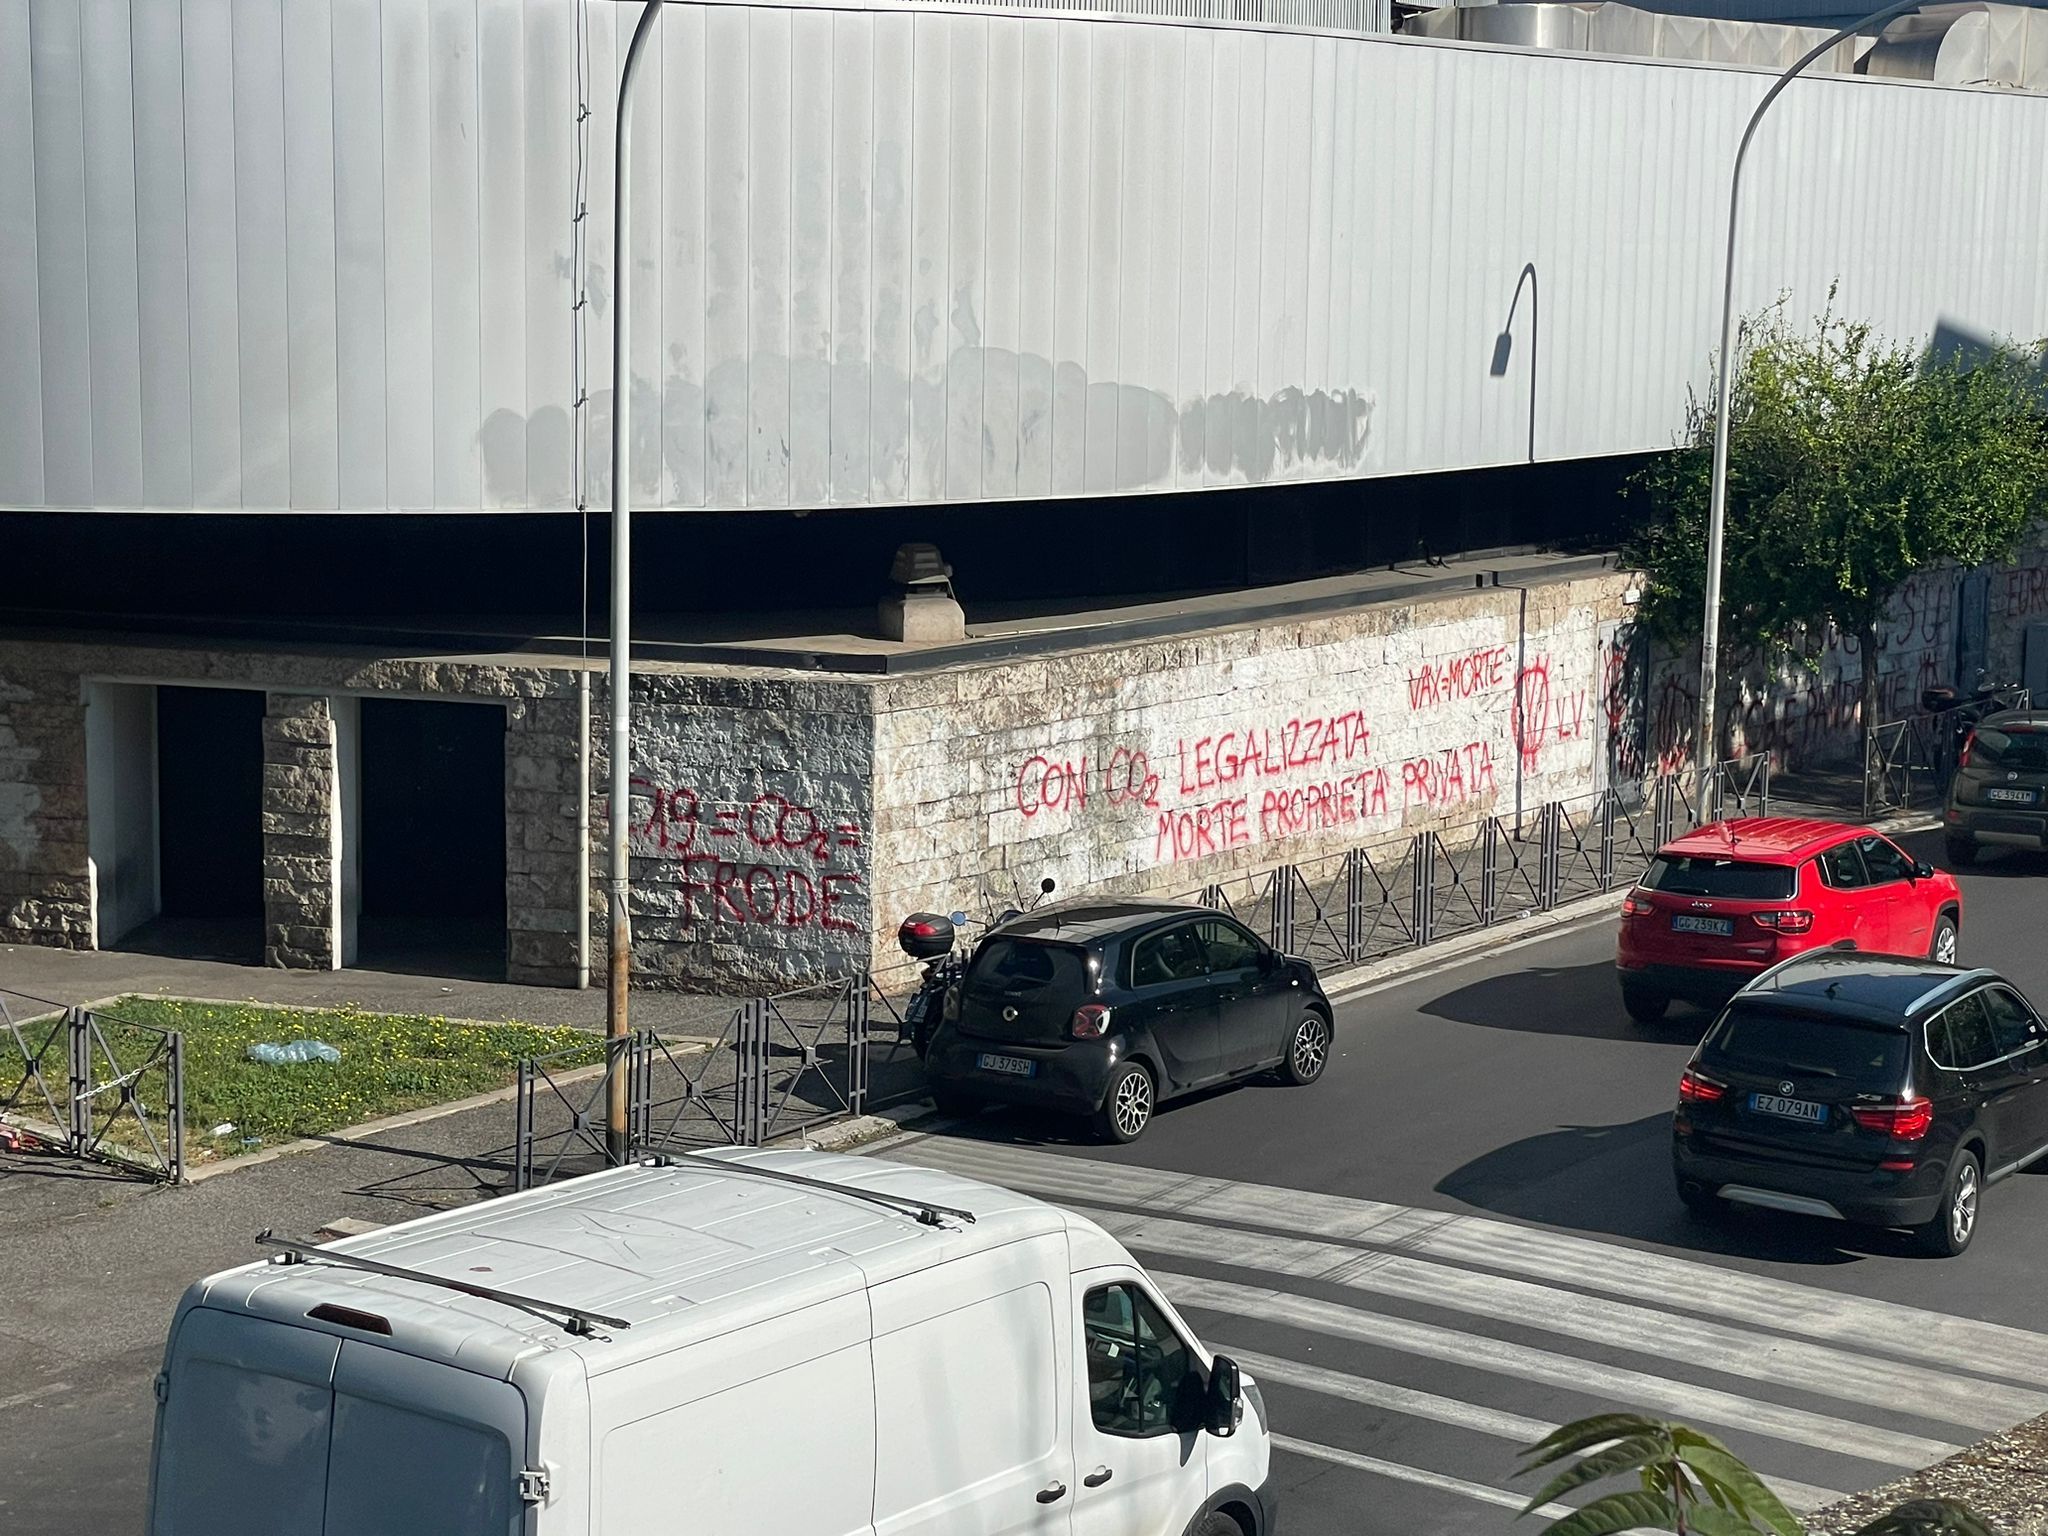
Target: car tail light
point(1091, 1021)
point(1907, 1120)
point(1785, 922)
point(1698, 1088)
point(1963, 757)
point(1633, 905)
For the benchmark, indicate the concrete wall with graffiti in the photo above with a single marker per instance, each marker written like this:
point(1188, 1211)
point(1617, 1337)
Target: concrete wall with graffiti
point(1805, 707)
point(1160, 766)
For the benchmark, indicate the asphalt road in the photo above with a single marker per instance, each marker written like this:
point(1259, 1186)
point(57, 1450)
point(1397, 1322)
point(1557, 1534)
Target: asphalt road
point(1466, 1233)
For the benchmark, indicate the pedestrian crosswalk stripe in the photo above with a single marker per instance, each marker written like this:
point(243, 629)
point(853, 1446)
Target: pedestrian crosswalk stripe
point(1413, 1403)
point(1615, 1385)
point(1442, 1482)
point(1914, 1333)
point(1816, 1368)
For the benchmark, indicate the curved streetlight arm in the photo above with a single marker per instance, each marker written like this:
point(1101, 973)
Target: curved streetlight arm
point(620, 955)
point(1710, 637)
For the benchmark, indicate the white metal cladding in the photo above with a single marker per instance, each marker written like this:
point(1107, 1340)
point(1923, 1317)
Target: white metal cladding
point(315, 253)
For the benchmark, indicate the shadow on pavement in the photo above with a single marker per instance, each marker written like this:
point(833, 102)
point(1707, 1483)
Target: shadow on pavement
point(1580, 1000)
point(1615, 1181)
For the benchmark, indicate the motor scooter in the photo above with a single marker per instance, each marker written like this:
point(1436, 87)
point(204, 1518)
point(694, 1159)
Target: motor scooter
point(935, 938)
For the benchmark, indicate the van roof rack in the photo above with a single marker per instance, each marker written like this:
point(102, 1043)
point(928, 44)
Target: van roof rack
point(584, 1324)
point(923, 1211)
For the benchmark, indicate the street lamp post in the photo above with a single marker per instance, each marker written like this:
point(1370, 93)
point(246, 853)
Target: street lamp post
point(1710, 635)
point(1504, 344)
point(620, 956)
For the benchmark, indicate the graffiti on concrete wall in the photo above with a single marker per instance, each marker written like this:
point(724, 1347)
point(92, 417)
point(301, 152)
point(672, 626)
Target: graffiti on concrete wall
point(765, 862)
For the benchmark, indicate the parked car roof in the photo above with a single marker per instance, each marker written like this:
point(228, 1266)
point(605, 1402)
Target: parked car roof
point(1764, 839)
point(1893, 987)
point(2017, 719)
point(1089, 922)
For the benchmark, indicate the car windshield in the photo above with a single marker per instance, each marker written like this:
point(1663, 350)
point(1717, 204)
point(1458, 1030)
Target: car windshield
point(1735, 879)
point(2022, 747)
point(1860, 1058)
point(1012, 966)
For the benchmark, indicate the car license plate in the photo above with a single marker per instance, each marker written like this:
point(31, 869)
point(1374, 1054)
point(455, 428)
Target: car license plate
point(1789, 1109)
point(1015, 1066)
point(1688, 924)
point(2010, 796)
point(920, 1004)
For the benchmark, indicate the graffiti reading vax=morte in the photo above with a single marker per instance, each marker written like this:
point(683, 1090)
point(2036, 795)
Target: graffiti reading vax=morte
point(767, 862)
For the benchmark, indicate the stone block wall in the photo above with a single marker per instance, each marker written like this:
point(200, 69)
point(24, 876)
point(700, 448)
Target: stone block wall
point(301, 815)
point(1159, 767)
point(45, 865)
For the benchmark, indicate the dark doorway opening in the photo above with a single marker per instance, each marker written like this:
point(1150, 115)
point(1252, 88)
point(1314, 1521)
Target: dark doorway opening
point(209, 791)
point(432, 834)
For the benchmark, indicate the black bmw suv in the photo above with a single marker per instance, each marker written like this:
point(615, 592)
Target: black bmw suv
point(1868, 1088)
point(1108, 1008)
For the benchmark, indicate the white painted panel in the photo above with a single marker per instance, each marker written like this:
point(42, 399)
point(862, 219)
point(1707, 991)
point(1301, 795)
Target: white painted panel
point(213, 273)
point(264, 330)
point(1070, 296)
point(457, 311)
point(681, 266)
point(162, 282)
point(310, 250)
point(1319, 250)
point(930, 282)
point(853, 207)
point(725, 248)
point(112, 307)
point(647, 108)
point(768, 264)
point(408, 258)
point(964, 299)
point(1001, 298)
point(1225, 231)
point(1037, 206)
point(604, 42)
point(501, 248)
point(1144, 262)
point(360, 377)
point(1190, 385)
point(21, 374)
point(811, 81)
point(895, 165)
point(551, 195)
point(1107, 88)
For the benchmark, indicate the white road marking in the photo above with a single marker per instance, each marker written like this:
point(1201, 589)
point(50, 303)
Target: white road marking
point(1622, 1325)
point(1637, 1389)
point(1915, 1333)
point(24, 1399)
point(1523, 1431)
point(1440, 1481)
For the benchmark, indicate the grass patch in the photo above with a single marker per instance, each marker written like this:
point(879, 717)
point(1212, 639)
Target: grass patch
point(389, 1063)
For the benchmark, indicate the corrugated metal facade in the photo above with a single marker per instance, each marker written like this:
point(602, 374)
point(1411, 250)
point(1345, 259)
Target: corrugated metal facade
point(317, 253)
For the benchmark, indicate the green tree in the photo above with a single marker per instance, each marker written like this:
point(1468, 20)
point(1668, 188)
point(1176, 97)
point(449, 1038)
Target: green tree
point(1851, 465)
point(1692, 1484)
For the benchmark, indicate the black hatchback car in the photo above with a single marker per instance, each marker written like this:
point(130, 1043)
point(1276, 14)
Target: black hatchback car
point(1999, 794)
point(1110, 1008)
point(1869, 1088)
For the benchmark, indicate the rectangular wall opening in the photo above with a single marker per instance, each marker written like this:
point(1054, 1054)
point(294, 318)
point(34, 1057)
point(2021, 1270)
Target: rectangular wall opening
point(207, 901)
point(431, 834)
point(120, 808)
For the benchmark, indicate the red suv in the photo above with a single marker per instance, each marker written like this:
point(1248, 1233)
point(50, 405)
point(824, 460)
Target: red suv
point(1727, 901)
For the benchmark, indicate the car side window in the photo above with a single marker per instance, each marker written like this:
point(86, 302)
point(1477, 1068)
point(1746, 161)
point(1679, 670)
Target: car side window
point(1175, 955)
point(2012, 1023)
point(1842, 867)
point(1140, 1371)
point(1229, 947)
point(1970, 1042)
point(1937, 1043)
point(1883, 860)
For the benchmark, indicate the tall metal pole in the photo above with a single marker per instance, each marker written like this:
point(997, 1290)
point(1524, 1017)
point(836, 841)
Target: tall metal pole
point(616, 1024)
point(1710, 634)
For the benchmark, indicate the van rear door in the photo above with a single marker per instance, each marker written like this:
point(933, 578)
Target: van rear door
point(264, 1429)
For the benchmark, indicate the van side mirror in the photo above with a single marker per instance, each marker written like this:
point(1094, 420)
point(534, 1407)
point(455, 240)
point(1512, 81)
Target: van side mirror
point(1223, 1402)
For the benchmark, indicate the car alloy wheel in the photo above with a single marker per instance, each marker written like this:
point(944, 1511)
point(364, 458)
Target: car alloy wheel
point(1131, 1107)
point(1311, 1049)
point(1945, 944)
point(1962, 1211)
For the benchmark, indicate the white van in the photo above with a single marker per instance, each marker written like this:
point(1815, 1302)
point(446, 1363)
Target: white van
point(729, 1344)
